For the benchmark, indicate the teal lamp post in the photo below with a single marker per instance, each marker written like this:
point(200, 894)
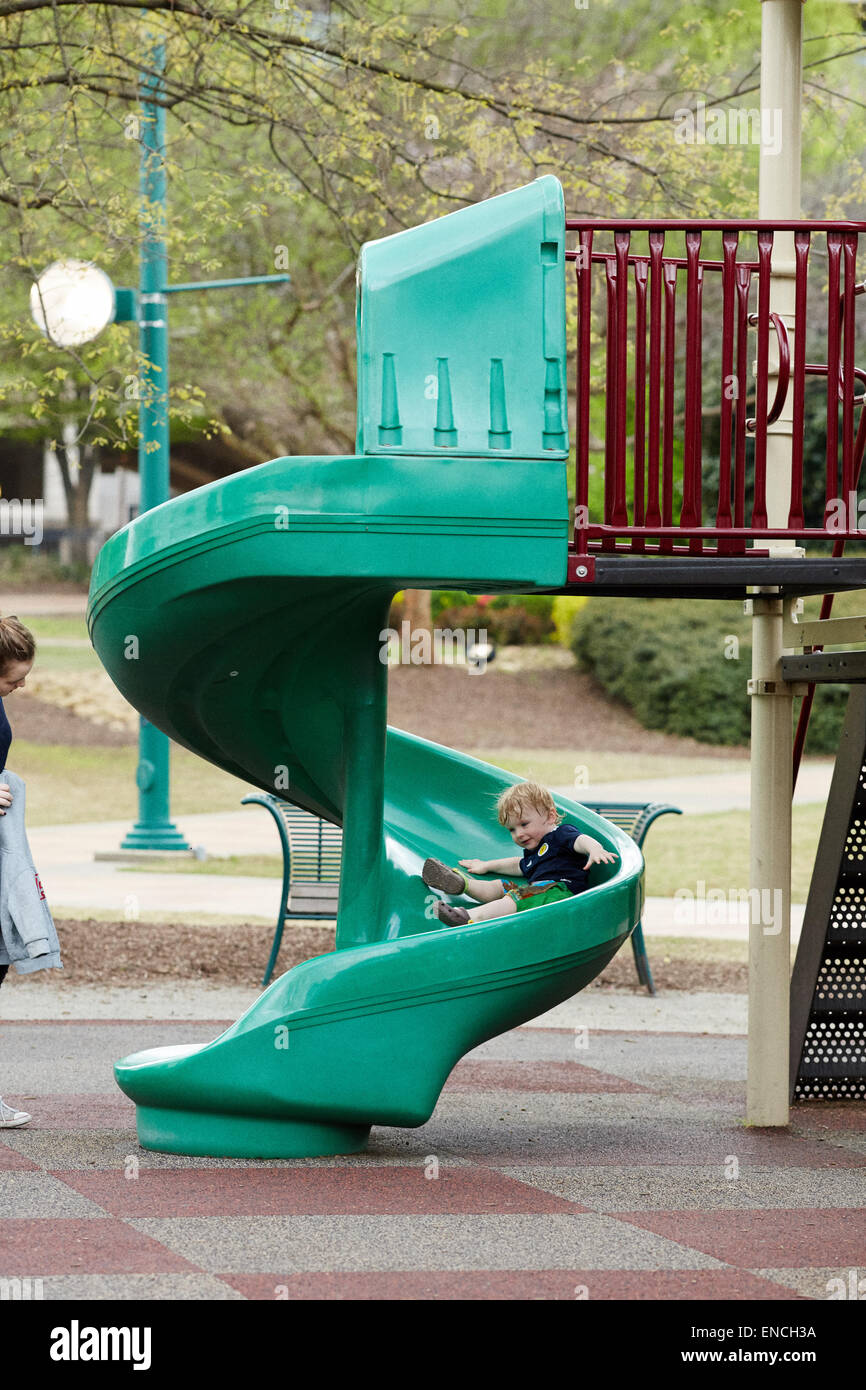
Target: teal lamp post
point(67, 303)
point(154, 829)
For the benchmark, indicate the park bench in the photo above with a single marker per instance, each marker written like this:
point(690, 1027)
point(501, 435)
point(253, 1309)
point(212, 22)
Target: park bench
point(635, 818)
point(312, 850)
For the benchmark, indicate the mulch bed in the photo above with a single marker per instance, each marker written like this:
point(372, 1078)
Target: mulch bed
point(40, 722)
point(499, 709)
point(532, 709)
point(526, 709)
point(135, 953)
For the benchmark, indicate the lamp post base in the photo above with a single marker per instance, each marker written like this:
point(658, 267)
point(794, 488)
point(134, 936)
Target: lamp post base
point(165, 838)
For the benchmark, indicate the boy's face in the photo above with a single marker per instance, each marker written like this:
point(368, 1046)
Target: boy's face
point(529, 827)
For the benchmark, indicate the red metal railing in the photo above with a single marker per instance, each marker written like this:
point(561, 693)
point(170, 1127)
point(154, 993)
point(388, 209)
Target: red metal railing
point(661, 381)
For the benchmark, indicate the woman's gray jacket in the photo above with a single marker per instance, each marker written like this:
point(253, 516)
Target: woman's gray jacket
point(29, 938)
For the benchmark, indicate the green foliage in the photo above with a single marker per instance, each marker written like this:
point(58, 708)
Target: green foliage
point(295, 134)
point(510, 619)
point(20, 569)
point(682, 666)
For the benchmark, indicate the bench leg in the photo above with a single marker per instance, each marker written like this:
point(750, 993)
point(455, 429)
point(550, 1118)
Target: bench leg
point(275, 951)
point(641, 959)
point(281, 920)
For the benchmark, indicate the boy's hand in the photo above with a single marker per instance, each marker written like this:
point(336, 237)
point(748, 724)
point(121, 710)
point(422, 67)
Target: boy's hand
point(595, 852)
point(474, 866)
point(600, 855)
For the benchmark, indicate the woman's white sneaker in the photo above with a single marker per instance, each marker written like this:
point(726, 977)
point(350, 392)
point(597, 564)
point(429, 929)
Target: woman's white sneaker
point(10, 1118)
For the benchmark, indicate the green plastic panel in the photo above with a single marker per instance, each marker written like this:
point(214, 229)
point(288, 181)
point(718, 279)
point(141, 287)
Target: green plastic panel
point(259, 604)
point(461, 332)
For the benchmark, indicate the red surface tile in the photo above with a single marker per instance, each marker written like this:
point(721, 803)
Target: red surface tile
point(13, 1161)
point(311, 1191)
point(596, 1141)
point(569, 1077)
point(781, 1239)
point(67, 1110)
point(848, 1117)
point(548, 1284)
point(82, 1245)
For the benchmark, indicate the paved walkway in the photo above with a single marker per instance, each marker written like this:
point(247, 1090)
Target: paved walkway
point(608, 1165)
point(706, 795)
point(75, 883)
point(598, 1153)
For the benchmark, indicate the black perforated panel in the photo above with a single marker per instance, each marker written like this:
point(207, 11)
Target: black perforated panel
point(833, 1059)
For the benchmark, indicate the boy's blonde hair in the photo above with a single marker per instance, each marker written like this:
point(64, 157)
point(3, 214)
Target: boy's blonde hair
point(515, 800)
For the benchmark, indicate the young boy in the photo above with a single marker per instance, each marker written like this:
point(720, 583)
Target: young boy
point(555, 861)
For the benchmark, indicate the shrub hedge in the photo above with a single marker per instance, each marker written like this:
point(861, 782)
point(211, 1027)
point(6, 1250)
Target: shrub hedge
point(682, 665)
point(510, 619)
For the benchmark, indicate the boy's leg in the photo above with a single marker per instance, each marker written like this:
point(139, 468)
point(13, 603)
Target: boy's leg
point(500, 908)
point(485, 890)
point(454, 881)
point(461, 916)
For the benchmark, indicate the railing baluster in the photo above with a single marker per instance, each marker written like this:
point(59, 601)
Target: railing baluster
point(620, 511)
point(849, 251)
point(641, 269)
point(729, 262)
point(656, 250)
point(639, 512)
point(834, 247)
point(583, 267)
point(670, 279)
point(690, 514)
point(744, 286)
point(762, 404)
point(610, 402)
point(796, 519)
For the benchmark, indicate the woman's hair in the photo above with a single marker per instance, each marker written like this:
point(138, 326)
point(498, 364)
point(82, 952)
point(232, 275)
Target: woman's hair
point(515, 800)
point(17, 642)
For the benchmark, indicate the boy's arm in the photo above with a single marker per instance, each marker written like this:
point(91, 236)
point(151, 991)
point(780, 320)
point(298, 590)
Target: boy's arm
point(597, 854)
point(491, 866)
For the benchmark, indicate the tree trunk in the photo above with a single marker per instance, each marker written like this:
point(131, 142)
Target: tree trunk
point(416, 612)
point(417, 605)
point(77, 481)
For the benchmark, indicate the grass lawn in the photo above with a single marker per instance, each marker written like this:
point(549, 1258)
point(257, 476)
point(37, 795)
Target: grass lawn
point(73, 785)
point(64, 626)
point(70, 785)
point(558, 769)
point(243, 865)
point(682, 852)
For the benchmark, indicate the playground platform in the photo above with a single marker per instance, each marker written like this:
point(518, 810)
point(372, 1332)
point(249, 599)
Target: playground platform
point(618, 1169)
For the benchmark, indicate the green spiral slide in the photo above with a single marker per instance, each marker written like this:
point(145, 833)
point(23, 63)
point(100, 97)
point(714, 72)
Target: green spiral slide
point(259, 605)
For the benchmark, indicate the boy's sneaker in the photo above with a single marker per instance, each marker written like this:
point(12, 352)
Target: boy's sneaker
point(11, 1118)
point(438, 875)
point(451, 916)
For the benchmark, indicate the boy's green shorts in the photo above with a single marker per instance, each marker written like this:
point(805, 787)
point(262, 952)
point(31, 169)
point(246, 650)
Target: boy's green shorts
point(528, 895)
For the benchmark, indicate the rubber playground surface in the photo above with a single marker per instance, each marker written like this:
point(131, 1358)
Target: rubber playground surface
point(559, 1164)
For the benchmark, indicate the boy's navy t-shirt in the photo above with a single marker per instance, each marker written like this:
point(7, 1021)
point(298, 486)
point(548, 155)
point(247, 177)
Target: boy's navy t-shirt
point(5, 737)
point(554, 857)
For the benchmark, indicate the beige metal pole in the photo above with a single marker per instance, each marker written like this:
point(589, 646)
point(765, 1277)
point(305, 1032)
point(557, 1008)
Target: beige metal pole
point(772, 706)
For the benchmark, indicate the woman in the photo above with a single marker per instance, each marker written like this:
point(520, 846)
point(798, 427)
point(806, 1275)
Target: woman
point(34, 946)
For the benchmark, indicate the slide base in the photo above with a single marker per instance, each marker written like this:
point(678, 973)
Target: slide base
point(244, 1136)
